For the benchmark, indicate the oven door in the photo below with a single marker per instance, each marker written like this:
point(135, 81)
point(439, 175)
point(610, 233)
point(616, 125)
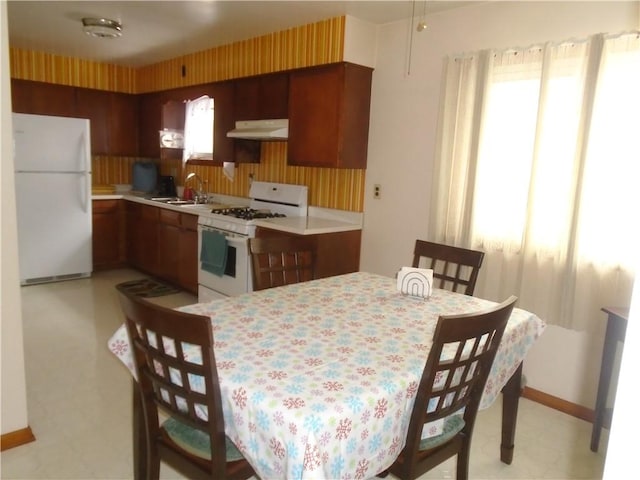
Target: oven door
point(237, 276)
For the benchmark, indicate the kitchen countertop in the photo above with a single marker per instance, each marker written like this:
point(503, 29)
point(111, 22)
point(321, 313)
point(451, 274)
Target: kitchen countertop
point(318, 221)
point(110, 196)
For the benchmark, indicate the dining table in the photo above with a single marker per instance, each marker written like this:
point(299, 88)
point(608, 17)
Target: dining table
point(318, 379)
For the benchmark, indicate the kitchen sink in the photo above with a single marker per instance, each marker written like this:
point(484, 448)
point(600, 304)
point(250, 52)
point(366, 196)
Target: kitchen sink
point(162, 199)
point(172, 200)
point(197, 206)
point(186, 204)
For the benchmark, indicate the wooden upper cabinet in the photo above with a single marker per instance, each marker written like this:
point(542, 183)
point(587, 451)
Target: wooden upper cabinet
point(329, 116)
point(123, 124)
point(223, 121)
point(262, 97)
point(114, 121)
point(150, 123)
point(113, 115)
point(173, 115)
point(94, 105)
point(41, 98)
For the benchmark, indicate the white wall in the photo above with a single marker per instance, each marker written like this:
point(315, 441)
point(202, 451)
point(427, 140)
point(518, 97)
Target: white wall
point(404, 112)
point(14, 394)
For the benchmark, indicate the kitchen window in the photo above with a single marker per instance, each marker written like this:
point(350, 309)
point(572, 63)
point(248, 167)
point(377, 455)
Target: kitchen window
point(538, 166)
point(198, 129)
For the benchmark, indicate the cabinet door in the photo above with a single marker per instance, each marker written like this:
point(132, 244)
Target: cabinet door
point(149, 239)
point(142, 237)
point(133, 233)
point(314, 101)
point(108, 234)
point(329, 116)
point(94, 105)
point(188, 253)
point(41, 98)
point(274, 95)
point(150, 123)
point(168, 242)
point(123, 124)
point(173, 112)
point(262, 97)
point(223, 121)
point(114, 121)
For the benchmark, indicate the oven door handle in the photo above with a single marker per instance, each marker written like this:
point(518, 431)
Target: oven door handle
point(231, 240)
point(241, 241)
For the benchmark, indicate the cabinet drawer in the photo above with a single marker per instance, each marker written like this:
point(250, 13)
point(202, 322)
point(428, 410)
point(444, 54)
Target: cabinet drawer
point(149, 213)
point(190, 222)
point(169, 217)
point(105, 206)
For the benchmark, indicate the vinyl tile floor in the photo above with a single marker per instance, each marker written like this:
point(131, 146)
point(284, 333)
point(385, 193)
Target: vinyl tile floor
point(79, 400)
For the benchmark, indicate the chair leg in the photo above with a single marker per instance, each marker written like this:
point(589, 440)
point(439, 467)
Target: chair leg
point(154, 465)
point(462, 465)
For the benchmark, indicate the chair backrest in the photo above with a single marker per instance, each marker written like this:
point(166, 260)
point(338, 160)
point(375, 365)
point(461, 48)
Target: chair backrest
point(457, 368)
point(454, 268)
point(176, 371)
point(282, 260)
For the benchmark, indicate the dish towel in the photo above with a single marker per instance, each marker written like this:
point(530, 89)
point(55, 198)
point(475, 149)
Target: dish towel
point(416, 282)
point(213, 254)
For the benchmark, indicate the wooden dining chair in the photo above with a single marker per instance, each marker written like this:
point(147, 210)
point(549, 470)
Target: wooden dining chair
point(278, 261)
point(192, 439)
point(455, 268)
point(451, 387)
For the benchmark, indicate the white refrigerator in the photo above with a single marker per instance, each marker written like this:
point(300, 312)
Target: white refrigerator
point(52, 161)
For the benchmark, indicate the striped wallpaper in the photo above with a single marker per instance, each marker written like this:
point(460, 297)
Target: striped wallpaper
point(76, 72)
point(304, 46)
point(313, 44)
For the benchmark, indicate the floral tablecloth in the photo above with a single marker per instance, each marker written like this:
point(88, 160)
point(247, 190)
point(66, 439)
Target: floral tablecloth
point(318, 379)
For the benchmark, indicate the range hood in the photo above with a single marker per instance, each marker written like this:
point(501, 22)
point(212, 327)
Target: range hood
point(276, 129)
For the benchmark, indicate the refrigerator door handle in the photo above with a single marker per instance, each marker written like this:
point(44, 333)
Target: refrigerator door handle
point(86, 197)
point(86, 148)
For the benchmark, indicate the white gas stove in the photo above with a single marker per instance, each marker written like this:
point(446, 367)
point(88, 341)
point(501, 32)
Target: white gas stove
point(267, 200)
point(237, 224)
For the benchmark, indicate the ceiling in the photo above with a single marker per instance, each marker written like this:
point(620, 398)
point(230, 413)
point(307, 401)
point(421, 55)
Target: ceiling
point(154, 31)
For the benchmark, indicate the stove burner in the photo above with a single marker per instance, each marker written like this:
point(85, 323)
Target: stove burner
point(249, 213)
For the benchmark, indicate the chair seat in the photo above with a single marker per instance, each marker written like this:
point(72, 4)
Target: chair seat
point(197, 442)
point(452, 426)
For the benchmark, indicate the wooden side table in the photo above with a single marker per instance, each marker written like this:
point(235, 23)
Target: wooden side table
point(616, 329)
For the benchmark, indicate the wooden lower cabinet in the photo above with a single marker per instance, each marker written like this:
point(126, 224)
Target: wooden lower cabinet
point(178, 249)
point(188, 253)
point(108, 236)
point(142, 237)
point(163, 243)
point(338, 253)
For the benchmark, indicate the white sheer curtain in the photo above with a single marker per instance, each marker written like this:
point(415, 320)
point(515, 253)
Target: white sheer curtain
point(538, 165)
point(198, 129)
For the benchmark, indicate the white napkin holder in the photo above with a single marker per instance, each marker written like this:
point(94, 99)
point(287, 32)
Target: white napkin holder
point(415, 282)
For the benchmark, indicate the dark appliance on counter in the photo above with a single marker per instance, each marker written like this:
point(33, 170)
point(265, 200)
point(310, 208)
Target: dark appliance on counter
point(145, 177)
point(166, 186)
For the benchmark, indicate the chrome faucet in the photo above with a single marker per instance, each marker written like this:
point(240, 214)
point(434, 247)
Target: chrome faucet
point(200, 195)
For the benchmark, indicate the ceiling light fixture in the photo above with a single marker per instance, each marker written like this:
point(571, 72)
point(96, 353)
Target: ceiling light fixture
point(422, 24)
point(102, 27)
